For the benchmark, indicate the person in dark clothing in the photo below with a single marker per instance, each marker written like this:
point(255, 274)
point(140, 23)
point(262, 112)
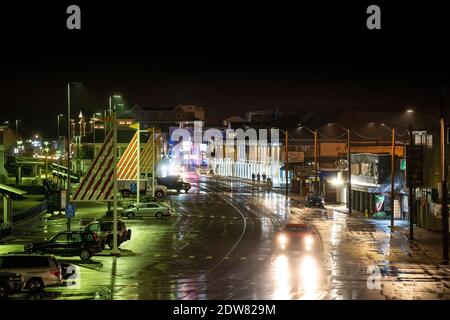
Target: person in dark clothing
point(258, 177)
point(264, 177)
point(253, 177)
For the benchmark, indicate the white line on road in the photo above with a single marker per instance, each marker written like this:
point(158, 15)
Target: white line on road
point(244, 227)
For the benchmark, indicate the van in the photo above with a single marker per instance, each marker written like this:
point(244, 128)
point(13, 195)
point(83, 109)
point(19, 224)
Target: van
point(38, 271)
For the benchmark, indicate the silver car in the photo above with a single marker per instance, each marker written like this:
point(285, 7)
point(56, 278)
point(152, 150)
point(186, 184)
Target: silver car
point(149, 209)
point(38, 271)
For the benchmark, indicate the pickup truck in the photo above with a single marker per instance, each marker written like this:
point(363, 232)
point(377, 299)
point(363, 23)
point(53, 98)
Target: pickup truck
point(128, 187)
point(174, 183)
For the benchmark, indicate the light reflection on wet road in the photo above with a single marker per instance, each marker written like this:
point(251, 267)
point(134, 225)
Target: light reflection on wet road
point(220, 245)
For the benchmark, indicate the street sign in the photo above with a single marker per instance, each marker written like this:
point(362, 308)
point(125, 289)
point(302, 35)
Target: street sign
point(70, 210)
point(403, 164)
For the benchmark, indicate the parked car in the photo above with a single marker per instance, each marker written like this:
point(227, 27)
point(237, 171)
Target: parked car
point(145, 199)
point(38, 271)
point(174, 183)
point(68, 243)
point(314, 200)
point(10, 283)
point(104, 231)
point(151, 209)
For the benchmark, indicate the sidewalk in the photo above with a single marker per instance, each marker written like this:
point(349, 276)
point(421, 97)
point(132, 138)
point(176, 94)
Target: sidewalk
point(429, 243)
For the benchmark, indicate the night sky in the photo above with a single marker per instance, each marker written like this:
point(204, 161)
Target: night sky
point(226, 59)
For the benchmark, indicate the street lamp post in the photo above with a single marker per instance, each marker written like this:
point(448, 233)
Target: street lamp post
point(286, 163)
point(68, 153)
point(116, 96)
point(349, 167)
point(57, 147)
point(115, 250)
point(392, 178)
point(315, 161)
point(46, 149)
point(444, 199)
point(68, 149)
point(349, 173)
point(17, 125)
point(409, 167)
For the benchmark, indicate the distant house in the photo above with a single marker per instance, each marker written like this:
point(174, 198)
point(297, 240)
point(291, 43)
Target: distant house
point(234, 119)
point(161, 115)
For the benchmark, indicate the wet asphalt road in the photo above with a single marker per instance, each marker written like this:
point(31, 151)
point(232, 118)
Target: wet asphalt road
point(220, 245)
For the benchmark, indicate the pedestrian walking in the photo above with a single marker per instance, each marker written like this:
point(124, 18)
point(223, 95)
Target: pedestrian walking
point(258, 177)
point(253, 177)
point(264, 177)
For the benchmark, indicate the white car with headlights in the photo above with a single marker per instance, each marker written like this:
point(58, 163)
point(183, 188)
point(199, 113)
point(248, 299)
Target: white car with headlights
point(296, 236)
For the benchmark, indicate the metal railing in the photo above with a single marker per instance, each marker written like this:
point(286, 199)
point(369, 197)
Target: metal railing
point(21, 215)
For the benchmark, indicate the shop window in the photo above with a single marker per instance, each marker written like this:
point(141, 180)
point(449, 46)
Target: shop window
point(420, 138)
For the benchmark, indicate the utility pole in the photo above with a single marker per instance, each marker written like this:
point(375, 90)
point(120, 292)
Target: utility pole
point(153, 161)
point(59, 158)
point(286, 164)
point(409, 167)
point(105, 122)
point(110, 110)
point(444, 200)
point(316, 184)
point(93, 131)
point(115, 250)
point(349, 171)
point(392, 179)
point(138, 167)
point(68, 153)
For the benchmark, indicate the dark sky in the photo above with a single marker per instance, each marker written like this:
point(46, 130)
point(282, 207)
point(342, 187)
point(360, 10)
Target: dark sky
point(227, 59)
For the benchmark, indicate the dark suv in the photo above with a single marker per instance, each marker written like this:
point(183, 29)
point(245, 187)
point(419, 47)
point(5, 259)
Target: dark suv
point(104, 231)
point(68, 243)
point(10, 283)
point(174, 183)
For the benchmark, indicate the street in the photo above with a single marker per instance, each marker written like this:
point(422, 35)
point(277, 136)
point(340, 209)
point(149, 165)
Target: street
point(220, 244)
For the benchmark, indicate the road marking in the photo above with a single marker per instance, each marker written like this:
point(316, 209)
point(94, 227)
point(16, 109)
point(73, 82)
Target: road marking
point(209, 257)
point(174, 256)
point(243, 258)
point(223, 217)
point(244, 227)
point(261, 258)
point(191, 257)
point(211, 217)
point(226, 258)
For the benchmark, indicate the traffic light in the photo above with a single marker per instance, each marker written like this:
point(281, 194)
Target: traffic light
point(417, 166)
